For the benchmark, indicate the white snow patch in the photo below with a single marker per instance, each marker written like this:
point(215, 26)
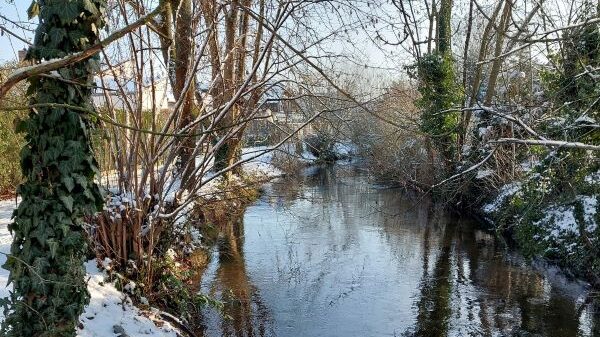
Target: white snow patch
point(307, 156)
point(585, 120)
point(109, 307)
point(505, 192)
point(528, 164)
point(466, 150)
point(560, 220)
point(261, 165)
point(483, 132)
point(590, 208)
point(344, 149)
point(593, 178)
point(484, 173)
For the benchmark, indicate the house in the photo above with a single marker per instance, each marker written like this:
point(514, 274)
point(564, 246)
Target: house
point(22, 55)
point(118, 87)
point(277, 117)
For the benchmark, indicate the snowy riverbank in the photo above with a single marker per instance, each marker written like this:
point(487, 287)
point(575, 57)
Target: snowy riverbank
point(111, 312)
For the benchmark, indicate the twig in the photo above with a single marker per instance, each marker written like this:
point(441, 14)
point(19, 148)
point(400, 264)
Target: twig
point(470, 169)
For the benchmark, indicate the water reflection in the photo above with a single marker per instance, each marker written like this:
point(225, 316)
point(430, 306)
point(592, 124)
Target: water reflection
point(246, 315)
point(333, 255)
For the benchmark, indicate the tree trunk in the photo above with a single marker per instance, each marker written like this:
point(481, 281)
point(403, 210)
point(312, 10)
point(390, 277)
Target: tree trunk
point(482, 53)
point(182, 63)
point(228, 150)
point(465, 117)
point(444, 31)
point(497, 63)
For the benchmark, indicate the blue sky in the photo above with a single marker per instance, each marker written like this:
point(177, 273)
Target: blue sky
point(15, 11)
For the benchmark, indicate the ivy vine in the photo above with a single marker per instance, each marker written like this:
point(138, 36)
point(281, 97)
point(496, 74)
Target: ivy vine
point(440, 94)
point(49, 243)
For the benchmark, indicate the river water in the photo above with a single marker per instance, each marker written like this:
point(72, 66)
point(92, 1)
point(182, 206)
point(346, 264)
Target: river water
point(336, 255)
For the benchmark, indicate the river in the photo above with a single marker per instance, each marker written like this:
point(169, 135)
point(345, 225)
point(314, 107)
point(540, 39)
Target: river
point(336, 255)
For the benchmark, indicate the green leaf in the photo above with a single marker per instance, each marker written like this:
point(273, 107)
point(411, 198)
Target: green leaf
point(57, 35)
point(53, 245)
point(67, 201)
point(69, 183)
point(20, 125)
point(34, 10)
point(89, 6)
point(68, 11)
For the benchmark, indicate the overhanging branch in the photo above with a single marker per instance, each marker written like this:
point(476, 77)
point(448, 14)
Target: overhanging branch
point(547, 143)
point(45, 67)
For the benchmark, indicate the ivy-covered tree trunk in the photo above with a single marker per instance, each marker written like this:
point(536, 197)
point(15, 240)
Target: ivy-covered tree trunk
point(444, 41)
point(439, 89)
point(49, 243)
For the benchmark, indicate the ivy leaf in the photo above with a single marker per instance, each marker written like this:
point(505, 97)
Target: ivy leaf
point(69, 11)
point(89, 6)
point(67, 201)
point(57, 35)
point(53, 245)
point(69, 183)
point(82, 181)
point(34, 10)
point(20, 125)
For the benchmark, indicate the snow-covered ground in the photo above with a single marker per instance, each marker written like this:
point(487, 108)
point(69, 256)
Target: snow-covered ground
point(343, 150)
point(108, 308)
point(505, 192)
point(260, 166)
point(110, 311)
point(560, 223)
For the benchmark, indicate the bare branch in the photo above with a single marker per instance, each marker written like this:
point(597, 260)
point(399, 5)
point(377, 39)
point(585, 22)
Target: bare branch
point(547, 143)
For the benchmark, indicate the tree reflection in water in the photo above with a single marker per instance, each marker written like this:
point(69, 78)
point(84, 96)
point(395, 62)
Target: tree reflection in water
point(333, 255)
point(244, 313)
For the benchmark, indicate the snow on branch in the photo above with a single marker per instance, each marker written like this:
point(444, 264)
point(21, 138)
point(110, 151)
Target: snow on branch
point(547, 143)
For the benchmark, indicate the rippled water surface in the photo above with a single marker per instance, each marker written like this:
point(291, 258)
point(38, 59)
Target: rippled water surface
point(335, 255)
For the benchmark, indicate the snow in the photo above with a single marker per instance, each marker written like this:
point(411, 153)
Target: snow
point(529, 164)
point(108, 307)
point(561, 220)
point(585, 120)
point(484, 131)
point(6, 208)
point(308, 156)
point(593, 178)
point(260, 166)
point(517, 74)
point(558, 122)
point(505, 192)
point(484, 173)
point(344, 149)
point(466, 150)
point(590, 209)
